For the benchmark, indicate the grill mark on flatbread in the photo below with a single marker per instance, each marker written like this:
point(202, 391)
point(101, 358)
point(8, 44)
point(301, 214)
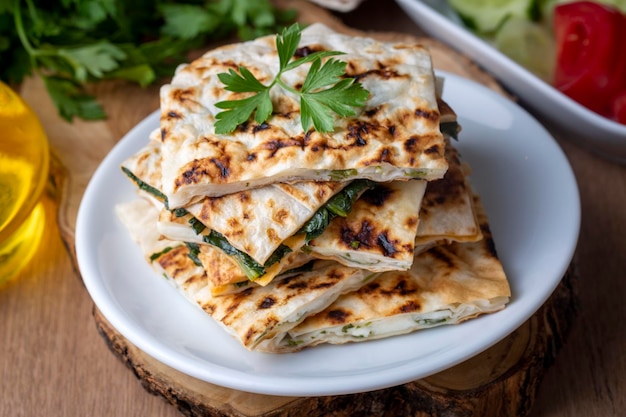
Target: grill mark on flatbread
point(409, 307)
point(338, 316)
point(172, 262)
point(258, 128)
point(267, 303)
point(427, 114)
point(377, 196)
point(358, 131)
point(388, 246)
point(173, 115)
point(440, 254)
point(433, 149)
point(187, 97)
point(383, 73)
point(275, 145)
point(367, 234)
point(307, 50)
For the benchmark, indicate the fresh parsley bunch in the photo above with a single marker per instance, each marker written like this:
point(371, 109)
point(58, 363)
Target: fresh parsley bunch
point(70, 43)
point(326, 89)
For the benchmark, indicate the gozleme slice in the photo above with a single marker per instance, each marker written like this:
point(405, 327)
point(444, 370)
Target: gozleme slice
point(379, 232)
point(395, 136)
point(446, 285)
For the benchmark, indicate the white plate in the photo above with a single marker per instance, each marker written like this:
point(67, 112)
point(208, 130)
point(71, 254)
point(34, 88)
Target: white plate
point(530, 195)
point(575, 121)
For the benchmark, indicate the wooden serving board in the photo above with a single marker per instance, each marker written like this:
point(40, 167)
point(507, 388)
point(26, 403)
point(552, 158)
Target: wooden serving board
point(499, 382)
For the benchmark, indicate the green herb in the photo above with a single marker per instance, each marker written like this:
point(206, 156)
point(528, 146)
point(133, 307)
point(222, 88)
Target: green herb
point(251, 268)
point(451, 129)
point(326, 89)
point(294, 342)
point(194, 251)
point(180, 212)
point(157, 255)
point(196, 225)
point(72, 43)
point(347, 327)
point(277, 255)
point(416, 173)
point(431, 322)
point(342, 174)
point(142, 185)
point(338, 205)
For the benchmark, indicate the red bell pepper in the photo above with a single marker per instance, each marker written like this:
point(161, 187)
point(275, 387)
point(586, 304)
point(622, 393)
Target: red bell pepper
point(591, 56)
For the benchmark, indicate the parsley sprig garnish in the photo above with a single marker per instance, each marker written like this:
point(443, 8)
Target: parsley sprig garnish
point(325, 90)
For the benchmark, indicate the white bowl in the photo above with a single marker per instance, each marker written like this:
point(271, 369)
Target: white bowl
point(572, 120)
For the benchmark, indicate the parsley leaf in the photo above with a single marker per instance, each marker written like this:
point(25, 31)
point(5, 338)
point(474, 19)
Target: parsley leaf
point(95, 59)
point(240, 110)
point(71, 100)
point(326, 89)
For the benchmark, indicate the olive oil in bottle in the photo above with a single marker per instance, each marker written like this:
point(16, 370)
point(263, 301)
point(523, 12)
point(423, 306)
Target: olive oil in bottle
point(24, 164)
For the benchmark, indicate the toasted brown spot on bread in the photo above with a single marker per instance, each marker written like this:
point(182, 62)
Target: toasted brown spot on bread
point(267, 302)
point(338, 316)
point(409, 307)
point(377, 196)
point(307, 50)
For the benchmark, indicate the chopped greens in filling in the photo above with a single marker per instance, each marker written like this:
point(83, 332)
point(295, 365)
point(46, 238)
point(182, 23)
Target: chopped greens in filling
point(194, 250)
point(431, 322)
point(451, 129)
point(338, 205)
point(145, 186)
point(157, 255)
point(342, 174)
point(415, 173)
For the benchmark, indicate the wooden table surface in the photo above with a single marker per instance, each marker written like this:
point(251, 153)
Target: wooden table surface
point(54, 363)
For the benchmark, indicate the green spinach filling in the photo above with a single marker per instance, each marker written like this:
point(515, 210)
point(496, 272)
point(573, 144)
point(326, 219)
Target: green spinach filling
point(145, 186)
point(451, 129)
point(338, 205)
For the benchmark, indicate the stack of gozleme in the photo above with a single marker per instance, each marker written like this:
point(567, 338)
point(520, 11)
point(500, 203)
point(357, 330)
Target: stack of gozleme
point(270, 227)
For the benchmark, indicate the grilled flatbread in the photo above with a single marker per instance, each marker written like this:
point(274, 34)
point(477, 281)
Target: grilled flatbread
point(447, 211)
point(395, 136)
point(446, 285)
point(256, 313)
point(379, 232)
